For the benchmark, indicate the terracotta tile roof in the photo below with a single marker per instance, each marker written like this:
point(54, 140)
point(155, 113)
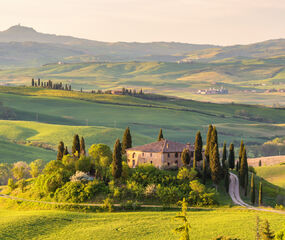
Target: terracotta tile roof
point(164, 146)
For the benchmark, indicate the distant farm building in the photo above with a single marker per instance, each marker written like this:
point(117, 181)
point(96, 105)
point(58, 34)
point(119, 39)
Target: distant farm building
point(163, 153)
point(213, 91)
point(117, 92)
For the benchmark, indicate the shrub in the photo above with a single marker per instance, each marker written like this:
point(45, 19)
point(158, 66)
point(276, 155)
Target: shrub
point(150, 190)
point(21, 170)
point(80, 177)
point(11, 184)
point(186, 174)
point(71, 192)
point(199, 196)
point(130, 205)
point(36, 167)
point(168, 195)
point(251, 169)
point(22, 184)
point(107, 205)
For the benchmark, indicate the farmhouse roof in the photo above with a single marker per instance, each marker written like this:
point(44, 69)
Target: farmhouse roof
point(164, 146)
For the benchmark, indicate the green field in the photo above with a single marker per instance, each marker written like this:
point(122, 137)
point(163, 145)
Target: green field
point(56, 115)
point(11, 152)
point(274, 174)
point(182, 80)
point(56, 224)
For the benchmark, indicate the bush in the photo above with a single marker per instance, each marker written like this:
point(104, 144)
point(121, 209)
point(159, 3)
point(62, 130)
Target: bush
point(251, 169)
point(130, 205)
point(79, 192)
point(80, 177)
point(186, 174)
point(22, 184)
point(199, 196)
point(83, 164)
point(168, 195)
point(21, 170)
point(11, 184)
point(150, 191)
point(107, 205)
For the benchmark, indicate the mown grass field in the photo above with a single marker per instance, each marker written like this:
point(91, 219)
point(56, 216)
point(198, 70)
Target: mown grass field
point(62, 115)
point(174, 79)
point(146, 225)
point(11, 152)
point(274, 174)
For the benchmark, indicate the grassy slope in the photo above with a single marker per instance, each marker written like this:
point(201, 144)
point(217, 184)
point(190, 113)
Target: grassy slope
point(54, 224)
point(168, 78)
point(178, 125)
point(52, 134)
point(274, 174)
point(12, 152)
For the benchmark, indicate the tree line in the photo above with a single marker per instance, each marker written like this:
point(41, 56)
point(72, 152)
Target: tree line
point(50, 84)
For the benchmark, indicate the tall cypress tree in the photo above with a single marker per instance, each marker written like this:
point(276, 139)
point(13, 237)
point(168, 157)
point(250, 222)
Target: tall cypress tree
point(33, 82)
point(208, 143)
point(240, 153)
point(60, 151)
point(76, 145)
point(231, 156)
point(214, 140)
point(204, 174)
point(160, 135)
point(127, 140)
point(224, 157)
point(243, 169)
point(252, 190)
point(185, 157)
point(260, 194)
point(215, 165)
point(227, 179)
point(198, 147)
point(194, 161)
point(65, 152)
point(82, 146)
point(117, 160)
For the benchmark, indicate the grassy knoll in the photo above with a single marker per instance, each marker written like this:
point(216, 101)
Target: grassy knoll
point(169, 78)
point(274, 174)
point(12, 152)
point(35, 133)
point(56, 224)
point(179, 118)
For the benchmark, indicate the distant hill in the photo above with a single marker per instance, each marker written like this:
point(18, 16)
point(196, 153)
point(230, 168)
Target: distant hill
point(24, 46)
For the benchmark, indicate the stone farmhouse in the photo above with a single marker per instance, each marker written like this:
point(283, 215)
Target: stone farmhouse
point(163, 153)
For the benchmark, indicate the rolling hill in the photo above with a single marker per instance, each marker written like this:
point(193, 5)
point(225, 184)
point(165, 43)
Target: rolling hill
point(246, 80)
point(108, 115)
point(46, 48)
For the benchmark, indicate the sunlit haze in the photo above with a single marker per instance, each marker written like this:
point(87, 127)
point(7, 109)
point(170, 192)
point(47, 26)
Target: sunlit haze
point(222, 22)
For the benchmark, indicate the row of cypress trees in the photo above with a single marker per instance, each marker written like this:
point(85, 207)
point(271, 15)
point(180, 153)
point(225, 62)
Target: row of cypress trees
point(78, 148)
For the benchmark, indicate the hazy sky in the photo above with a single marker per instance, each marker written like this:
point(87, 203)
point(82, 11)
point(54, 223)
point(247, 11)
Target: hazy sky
point(194, 21)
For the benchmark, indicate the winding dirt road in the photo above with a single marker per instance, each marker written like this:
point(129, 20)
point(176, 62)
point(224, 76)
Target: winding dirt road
point(235, 196)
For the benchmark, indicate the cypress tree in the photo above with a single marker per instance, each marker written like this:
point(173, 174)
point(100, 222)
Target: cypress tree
point(160, 135)
point(82, 146)
point(243, 168)
point(208, 143)
point(39, 82)
point(204, 175)
point(33, 82)
point(231, 156)
point(252, 190)
point(215, 165)
point(127, 140)
point(194, 161)
point(266, 232)
point(214, 140)
point(240, 152)
point(237, 167)
point(260, 194)
point(224, 156)
point(245, 183)
point(227, 179)
point(185, 157)
point(60, 151)
point(198, 147)
point(76, 145)
point(65, 152)
point(117, 160)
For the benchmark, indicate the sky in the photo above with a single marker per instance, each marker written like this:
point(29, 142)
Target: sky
point(222, 22)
